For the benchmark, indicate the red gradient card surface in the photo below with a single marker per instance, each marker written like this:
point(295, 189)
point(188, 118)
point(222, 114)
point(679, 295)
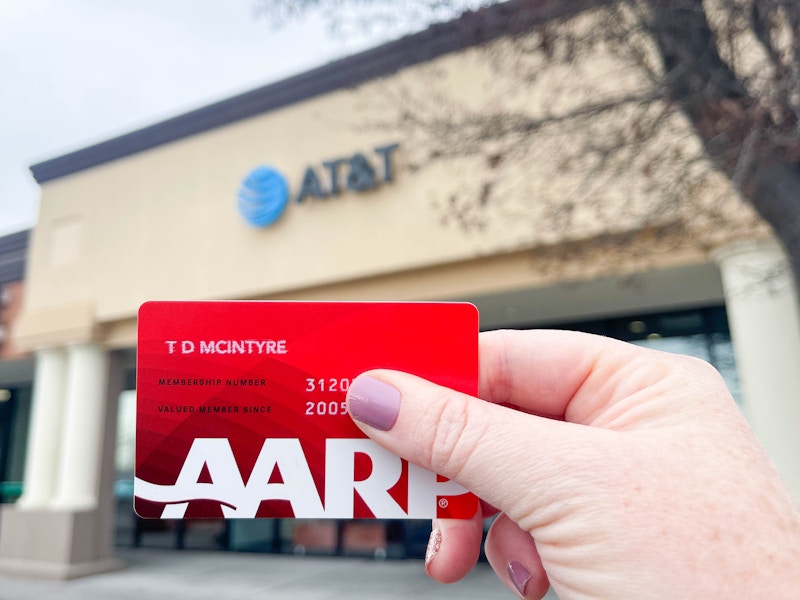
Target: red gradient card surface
point(241, 408)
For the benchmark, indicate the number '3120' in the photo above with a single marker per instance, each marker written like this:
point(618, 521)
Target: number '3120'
point(324, 384)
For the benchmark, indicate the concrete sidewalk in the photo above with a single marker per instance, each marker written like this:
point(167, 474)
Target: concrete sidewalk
point(173, 575)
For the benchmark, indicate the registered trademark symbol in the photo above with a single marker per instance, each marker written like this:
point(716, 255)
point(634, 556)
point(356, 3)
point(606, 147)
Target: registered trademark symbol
point(443, 502)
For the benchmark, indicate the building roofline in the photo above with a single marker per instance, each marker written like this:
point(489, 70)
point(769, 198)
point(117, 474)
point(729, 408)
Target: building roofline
point(470, 29)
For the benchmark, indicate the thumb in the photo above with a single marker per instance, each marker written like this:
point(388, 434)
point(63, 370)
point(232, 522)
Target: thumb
point(494, 451)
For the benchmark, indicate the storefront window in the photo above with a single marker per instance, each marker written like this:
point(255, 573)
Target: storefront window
point(359, 537)
point(126, 434)
point(15, 403)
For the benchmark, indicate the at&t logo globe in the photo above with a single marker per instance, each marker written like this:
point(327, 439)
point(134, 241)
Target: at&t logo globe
point(263, 196)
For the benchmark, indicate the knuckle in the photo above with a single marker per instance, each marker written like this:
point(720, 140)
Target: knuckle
point(697, 368)
point(454, 434)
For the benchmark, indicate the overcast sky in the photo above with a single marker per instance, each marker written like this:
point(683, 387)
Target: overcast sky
point(77, 72)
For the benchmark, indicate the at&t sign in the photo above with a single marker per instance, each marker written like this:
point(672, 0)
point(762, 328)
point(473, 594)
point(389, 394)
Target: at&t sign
point(265, 192)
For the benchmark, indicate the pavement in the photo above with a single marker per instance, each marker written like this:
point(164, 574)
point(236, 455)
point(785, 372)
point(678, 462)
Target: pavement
point(176, 575)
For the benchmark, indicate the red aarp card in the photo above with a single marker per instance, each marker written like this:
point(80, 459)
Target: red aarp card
point(241, 408)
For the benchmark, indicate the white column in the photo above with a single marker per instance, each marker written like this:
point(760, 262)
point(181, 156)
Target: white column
point(764, 317)
point(44, 432)
point(79, 469)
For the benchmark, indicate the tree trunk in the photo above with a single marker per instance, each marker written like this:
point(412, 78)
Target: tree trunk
point(776, 197)
point(731, 123)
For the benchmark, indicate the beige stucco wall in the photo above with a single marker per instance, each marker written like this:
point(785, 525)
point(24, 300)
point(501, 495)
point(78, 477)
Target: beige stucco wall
point(163, 224)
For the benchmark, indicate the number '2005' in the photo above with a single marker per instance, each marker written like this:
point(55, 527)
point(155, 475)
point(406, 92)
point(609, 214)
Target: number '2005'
point(326, 408)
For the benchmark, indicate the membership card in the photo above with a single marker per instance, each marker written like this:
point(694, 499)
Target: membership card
point(241, 409)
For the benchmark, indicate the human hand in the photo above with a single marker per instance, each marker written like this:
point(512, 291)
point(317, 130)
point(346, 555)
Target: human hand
point(619, 472)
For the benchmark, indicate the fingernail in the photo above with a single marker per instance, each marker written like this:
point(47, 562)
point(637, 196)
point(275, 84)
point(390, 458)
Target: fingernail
point(374, 402)
point(434, 543)
point(519, 576)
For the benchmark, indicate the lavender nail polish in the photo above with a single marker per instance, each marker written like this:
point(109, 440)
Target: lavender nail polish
point(519, 576)
point(374, 402)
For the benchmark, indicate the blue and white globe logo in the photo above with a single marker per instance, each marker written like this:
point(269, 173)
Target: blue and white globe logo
point(263, 196)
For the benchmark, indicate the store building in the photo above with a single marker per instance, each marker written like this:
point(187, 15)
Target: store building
point(330, 186)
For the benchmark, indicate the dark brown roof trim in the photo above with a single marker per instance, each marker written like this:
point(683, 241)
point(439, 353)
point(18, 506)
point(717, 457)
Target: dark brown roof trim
point(470, 29)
